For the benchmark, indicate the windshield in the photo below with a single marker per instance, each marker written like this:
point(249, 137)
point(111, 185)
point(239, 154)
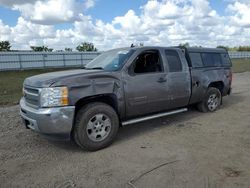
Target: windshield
point(111, 60)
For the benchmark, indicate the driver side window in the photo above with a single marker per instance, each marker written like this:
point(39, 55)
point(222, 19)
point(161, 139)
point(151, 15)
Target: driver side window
point(148, 62)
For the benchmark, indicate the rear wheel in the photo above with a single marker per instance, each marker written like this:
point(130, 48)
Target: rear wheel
point(212, 100)
point(96, 126)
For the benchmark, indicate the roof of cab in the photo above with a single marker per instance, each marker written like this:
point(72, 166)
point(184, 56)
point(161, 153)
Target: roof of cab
point(188, 49)
point(211, 50)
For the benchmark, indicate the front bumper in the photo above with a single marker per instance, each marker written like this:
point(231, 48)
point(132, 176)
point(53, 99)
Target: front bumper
point(54, 122)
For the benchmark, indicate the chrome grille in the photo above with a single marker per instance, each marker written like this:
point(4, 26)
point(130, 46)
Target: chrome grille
point(31, 96)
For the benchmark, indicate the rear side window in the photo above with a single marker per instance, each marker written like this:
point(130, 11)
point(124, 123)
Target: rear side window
point(211, 59)
point(196, 59)
point(226, 60)
point(174, 62)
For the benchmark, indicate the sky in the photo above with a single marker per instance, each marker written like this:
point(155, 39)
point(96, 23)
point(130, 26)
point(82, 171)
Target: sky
point(111, 23)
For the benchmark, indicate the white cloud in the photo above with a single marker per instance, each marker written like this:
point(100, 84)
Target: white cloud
point(241, 13)
point(5, 31)
point(166, 22)
point(89, 3)
point(10, 3)
point(25, 33)
point(165, 9)
point(129, 22)
point(51, 11)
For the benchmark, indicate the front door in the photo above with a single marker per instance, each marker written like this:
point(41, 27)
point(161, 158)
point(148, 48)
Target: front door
point(145, 85)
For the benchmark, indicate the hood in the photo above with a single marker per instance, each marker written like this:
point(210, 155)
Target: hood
point(47, 79)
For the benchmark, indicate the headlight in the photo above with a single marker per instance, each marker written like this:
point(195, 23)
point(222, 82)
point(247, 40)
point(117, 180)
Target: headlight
point(51, 97)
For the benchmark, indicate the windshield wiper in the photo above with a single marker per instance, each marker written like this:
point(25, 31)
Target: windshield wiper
point(92, 68)
point(97, 68)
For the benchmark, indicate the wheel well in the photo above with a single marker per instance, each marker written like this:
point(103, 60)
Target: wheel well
point(109, 99)
point(219, 85)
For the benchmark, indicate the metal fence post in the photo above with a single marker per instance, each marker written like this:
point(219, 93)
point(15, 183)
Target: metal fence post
point(64, 63)
point(20, 61)
point(43, 60)
point(81, 60)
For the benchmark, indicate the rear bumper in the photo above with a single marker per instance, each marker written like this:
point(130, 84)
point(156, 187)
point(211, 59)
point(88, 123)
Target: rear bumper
point(54, 123)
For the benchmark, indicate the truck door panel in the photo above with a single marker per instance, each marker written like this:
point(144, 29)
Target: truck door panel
point(146, 85)
point(178, 76)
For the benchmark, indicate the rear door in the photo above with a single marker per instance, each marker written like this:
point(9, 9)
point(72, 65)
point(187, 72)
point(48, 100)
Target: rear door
point(178, 78)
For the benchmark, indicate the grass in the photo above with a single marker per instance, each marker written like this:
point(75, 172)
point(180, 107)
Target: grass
point(11, 82)
point(241, 65)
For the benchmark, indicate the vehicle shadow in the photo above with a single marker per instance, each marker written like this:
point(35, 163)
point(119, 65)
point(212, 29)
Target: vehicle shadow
point(66, 145)
point(232, 100)
point(130, 131)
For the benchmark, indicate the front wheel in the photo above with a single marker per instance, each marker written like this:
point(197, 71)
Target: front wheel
point(96, 126)
point(212, 100)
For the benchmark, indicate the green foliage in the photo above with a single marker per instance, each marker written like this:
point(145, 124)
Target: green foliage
point(240, 48)
point(244, 48)
point(223, 47)
point(68, 49)
point(41, 49)
point(86, 47)
point(5, 46)
point(186, 44)
point(136, 45)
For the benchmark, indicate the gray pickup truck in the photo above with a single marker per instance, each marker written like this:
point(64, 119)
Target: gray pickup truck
point(121, 87)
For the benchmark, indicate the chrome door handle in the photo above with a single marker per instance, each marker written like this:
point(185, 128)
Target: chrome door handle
point(161, 80)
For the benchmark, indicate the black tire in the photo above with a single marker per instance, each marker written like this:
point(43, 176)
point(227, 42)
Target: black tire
point(205, 105)
point(83, 134)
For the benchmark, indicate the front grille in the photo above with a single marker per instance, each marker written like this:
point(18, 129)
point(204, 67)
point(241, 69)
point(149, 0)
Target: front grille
point(31, 96)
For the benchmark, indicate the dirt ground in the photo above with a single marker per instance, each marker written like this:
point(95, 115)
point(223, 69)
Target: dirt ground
point(210, 150)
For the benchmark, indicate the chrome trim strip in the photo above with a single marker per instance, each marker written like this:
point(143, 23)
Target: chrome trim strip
point(33, 94)
point(37, 95)
point(137, 120)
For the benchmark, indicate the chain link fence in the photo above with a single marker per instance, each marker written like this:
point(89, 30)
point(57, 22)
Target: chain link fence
point(239, 55)
point(42, 60)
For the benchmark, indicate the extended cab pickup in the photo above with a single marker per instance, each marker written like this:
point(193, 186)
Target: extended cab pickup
point(124, 86)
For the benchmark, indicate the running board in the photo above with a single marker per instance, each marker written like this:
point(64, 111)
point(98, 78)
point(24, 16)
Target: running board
point(137, 120)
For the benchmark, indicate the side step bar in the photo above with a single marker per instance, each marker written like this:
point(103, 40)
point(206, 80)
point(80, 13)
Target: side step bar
point(137, 120)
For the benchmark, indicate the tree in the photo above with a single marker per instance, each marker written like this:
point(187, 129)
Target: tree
point(136, 45)
point(244, 48)
point(68, 49)
point(235, 48)
point(184, 44)
point(223, 47)
point(86, 47)
point(41, 49)
point(5, 46)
